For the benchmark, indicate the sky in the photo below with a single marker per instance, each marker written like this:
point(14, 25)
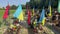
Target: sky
point(4, 3)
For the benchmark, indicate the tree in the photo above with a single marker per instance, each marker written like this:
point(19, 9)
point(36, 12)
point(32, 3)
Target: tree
point(3, 8)
point(54, 3)
point(13, 7)
point(23, 6)
point(40, 3)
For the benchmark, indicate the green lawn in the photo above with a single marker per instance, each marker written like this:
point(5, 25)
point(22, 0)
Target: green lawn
point(2, 13)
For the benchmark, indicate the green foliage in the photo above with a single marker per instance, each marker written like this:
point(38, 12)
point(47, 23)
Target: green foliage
point(13, 7)
point(23, 6)
point(40, 3)
point(2, 8)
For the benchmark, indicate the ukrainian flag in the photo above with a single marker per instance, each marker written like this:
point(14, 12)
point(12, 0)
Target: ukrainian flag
point(33, 12)
point(21, 16)
point(18, 11)
point(35, 22)
point(50, 13)
point(59, 6)
point(42, 17)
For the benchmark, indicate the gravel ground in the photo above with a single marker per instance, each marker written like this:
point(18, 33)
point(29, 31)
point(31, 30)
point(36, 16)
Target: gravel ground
point(25, 30)
point(48, 25)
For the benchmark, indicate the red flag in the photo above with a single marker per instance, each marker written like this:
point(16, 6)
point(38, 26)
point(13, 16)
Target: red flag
point(6, 12)
point(29, 17)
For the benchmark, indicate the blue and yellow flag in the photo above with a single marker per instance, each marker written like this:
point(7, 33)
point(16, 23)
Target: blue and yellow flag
point(18, 11)
point(33, 12)
point(35, 22)
point(59, 6)
point(21, 16)
point(42, 17)
point(50, 12)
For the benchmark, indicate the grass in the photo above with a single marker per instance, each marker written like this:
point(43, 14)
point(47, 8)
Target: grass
point(0, 32)
point(1, 14)
point(12, 11)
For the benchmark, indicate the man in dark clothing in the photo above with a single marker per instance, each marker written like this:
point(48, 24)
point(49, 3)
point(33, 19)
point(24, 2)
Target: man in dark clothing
point(53, 17)
point(59, 20)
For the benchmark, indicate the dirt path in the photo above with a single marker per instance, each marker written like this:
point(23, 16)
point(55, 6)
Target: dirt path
point(25, 30)
point(52, 29)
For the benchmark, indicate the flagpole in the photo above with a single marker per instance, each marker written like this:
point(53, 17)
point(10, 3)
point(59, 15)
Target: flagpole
point(50, 17)
point(51, 12)
point(8, 11)
point(19, 19)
